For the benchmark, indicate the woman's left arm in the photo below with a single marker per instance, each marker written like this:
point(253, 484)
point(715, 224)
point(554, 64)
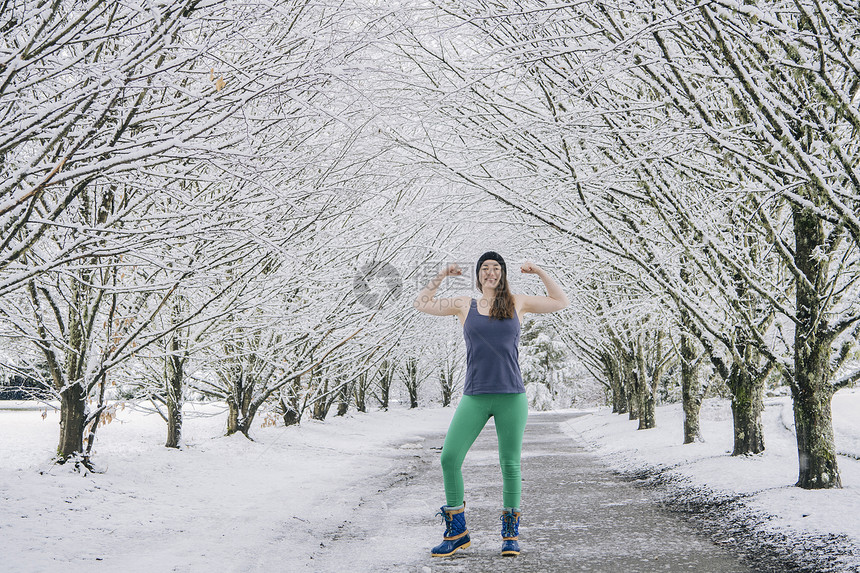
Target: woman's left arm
point(555, 299)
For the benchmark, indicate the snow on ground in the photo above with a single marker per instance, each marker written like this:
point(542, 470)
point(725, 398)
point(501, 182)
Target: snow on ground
point(244, 506)
point(223, 502)
point(764, 482)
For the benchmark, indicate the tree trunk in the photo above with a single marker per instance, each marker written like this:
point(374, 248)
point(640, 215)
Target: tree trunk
point(386, 374)
point(319, 411)
point(629, 377)
point(241, 408)
point(240, 418)
point(385, 395)
point(747, 405)
point(815, 449)
point(292, 416)
point(359, 395)
point(343, 399)
point(174, 425)
point(616, 385)
point(291, 406)
point(412, 382)
point(691, 388)
point(812, 390)
point(174, 401)
point(447, 383)
point(232, 416)
point(647, 407)
point(73, 397)
point(648, 413)
point(73, 415)
point(612, 382)
point(620, 401)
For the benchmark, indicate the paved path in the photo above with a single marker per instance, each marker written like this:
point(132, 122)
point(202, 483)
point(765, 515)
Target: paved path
point(577, 516)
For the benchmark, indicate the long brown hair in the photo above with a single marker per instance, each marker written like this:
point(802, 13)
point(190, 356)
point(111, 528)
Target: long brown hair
point(503, 301)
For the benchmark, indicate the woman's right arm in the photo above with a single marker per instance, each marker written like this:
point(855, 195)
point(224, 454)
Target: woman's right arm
point(427, 301)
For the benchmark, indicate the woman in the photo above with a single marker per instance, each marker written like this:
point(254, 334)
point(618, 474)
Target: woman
point(493, 387)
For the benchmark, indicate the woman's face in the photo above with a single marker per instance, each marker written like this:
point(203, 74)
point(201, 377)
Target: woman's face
point(490, 274)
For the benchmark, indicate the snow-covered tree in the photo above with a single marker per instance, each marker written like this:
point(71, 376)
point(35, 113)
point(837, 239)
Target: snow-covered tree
point(653, 121)
point(129, 128)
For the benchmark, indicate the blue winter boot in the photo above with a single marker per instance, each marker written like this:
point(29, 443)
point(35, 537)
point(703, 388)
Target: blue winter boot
point(510, 532)
point(456, 534)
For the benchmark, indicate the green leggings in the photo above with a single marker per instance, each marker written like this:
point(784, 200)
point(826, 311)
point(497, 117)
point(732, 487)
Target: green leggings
point(510, 412)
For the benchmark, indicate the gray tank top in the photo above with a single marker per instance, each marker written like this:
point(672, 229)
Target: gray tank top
point(492, 356)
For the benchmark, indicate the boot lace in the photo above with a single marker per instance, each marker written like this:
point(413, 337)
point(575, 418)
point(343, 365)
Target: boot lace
point(509, 525)
point(449, 522)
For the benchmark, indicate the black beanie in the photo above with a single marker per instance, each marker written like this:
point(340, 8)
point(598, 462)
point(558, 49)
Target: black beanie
point(491, 256)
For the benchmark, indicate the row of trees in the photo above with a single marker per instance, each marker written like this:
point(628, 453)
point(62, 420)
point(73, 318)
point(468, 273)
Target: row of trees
point(187, 190)
point(698, 168)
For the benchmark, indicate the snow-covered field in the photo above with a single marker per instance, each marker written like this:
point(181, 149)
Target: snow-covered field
point(223, 503)
point(242, 506)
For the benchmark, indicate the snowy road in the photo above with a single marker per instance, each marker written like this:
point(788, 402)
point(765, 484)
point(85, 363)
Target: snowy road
point(577, 516)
